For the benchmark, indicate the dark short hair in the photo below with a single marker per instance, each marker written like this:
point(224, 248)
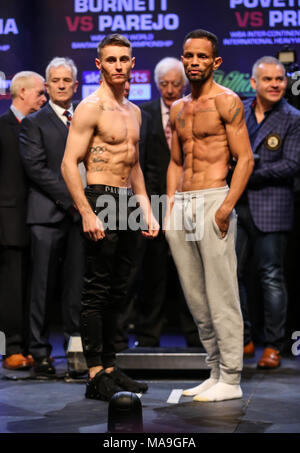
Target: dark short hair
point(207, 35)
point(114, 39)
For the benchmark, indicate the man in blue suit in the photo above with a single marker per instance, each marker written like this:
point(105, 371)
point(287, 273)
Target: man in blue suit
point(54, 222)
point(265, 211)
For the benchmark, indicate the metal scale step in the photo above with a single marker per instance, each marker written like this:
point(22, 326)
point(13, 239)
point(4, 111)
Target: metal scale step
point(177, 358)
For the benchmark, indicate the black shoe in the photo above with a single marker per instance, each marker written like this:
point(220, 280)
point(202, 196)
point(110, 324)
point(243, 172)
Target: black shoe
point(43, 368)
point(128, 384)
point(101, 387)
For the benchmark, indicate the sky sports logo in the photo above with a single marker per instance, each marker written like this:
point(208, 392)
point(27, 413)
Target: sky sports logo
point(140, 87)
point(296, 344)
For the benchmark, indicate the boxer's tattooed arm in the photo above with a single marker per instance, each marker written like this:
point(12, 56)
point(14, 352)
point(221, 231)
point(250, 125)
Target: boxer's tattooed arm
point(241, 122)
point(232, 105)
point(236, 114)
point(237, 111)
point(233, 108)
point(181, 121)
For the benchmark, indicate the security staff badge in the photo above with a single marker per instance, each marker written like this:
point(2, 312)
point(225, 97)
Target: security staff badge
point(273, 142)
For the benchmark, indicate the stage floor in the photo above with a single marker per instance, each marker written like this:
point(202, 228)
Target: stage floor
point(270, 403)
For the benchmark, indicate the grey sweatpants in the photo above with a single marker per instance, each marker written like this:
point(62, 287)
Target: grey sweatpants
point(206, 265)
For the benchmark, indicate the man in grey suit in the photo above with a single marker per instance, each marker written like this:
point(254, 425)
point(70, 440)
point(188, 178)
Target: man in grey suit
point(53, 220)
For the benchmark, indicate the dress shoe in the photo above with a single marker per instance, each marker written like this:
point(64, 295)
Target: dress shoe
point(16, 362)
point(43, 368)
point(249, 350)
point(30, 360)
point(271, 359)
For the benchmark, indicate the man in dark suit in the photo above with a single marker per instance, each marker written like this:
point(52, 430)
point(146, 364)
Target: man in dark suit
point(170, 80)
point(54, 223)
point(27, 92)
point(265, 212)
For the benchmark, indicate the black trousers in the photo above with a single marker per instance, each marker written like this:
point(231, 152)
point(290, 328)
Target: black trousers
point(13, 297)
point(106, 283)
point(131, 310)
point(57, 257)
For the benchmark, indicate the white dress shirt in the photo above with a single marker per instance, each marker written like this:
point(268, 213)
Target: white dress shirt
point(17, 113)
point(60, 111)
point(165, 113)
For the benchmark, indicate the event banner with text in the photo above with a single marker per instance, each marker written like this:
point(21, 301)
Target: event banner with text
point(32, 32)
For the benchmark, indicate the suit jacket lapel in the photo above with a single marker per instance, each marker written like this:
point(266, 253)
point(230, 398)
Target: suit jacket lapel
point(247, 112)
point(268, 126)
point(12, 120)
point(57, 122)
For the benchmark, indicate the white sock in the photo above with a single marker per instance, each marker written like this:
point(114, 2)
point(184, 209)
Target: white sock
point(220, 392)
point(207, 384)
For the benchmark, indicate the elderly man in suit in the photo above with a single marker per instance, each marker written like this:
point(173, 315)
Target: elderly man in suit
point(265, 212)
point(170, 80)
point(27, 93)
point(54, 222)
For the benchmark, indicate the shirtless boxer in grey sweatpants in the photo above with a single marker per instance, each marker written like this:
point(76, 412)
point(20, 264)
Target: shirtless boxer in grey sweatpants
point(206, 264)
point(208, 129)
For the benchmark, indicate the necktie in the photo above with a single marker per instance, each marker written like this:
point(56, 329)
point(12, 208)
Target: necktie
point(69, 117)
point(168, 131)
